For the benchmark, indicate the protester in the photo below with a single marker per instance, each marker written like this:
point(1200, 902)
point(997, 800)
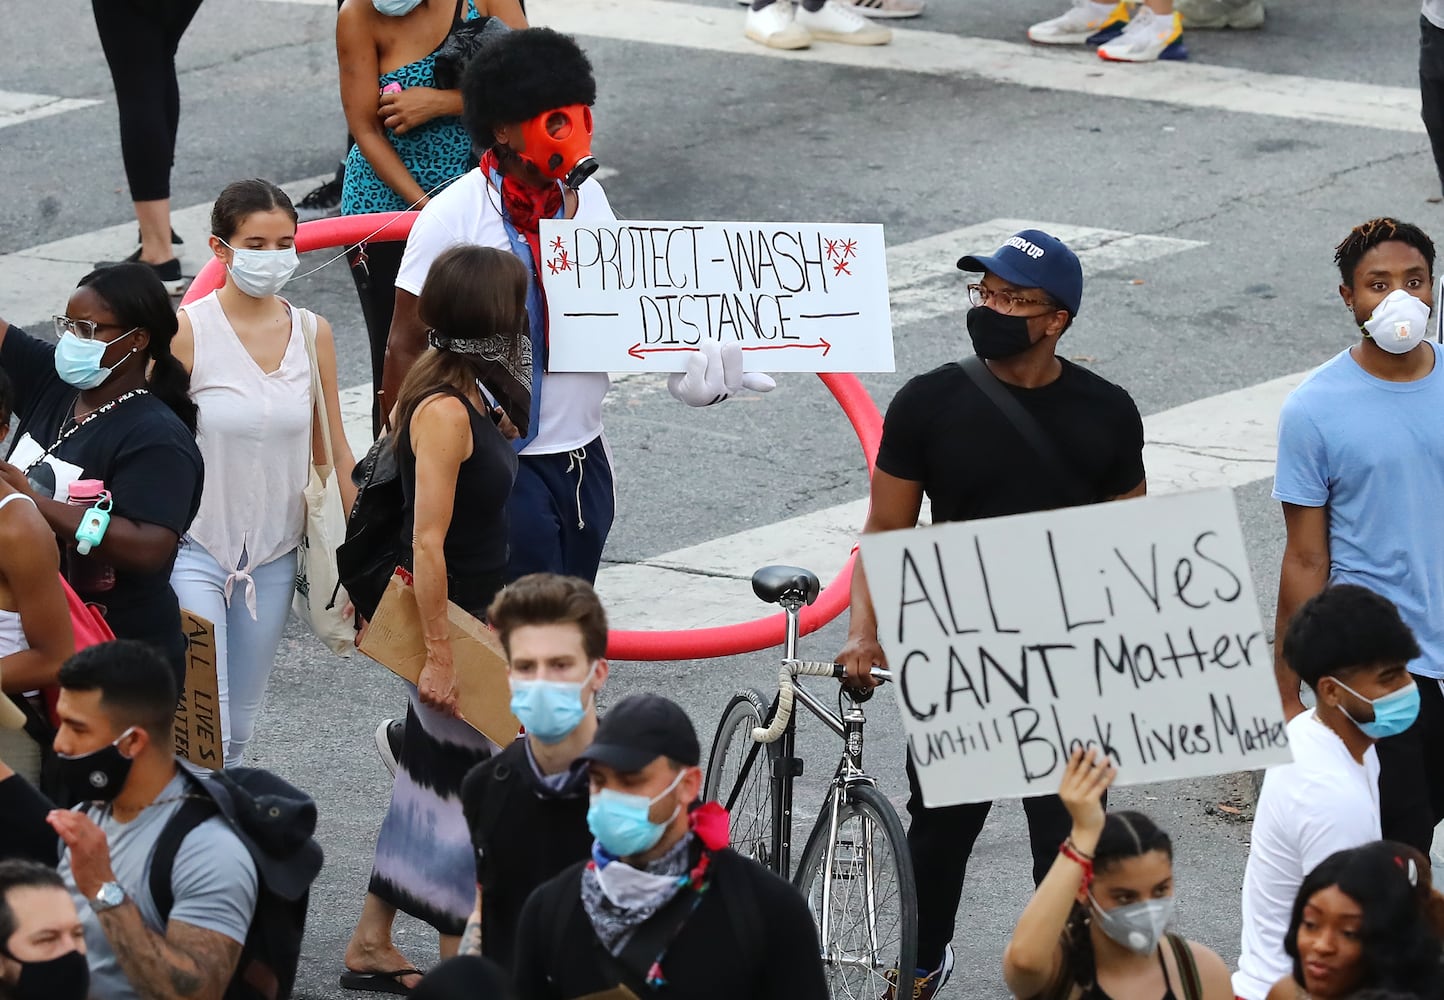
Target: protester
point(663, 901)
point(35, 632)
point(520, 86)
point(944, 435)
point(1153, 30)
point(409, 141)
point(1096, 926)
point(1350, 646)
point(42, 942)
point(111, 403)
point(140, 40)
point(1356, 926)
point(527, 806)
point(466, 977)
point(1362, 434)
point(457, 469)
point(778, 25)
point(116, 753)
point(250, 370)
point(1431, 79)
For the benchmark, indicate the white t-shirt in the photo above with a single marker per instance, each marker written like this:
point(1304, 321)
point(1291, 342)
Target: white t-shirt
point(1434, 11)
point(469, 212)
point(1325, 801)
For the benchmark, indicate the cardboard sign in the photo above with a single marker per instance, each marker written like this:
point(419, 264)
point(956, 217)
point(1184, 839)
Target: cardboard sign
point(394, 639)
point(198, 715)
point(1130, 626)
point(640, 296)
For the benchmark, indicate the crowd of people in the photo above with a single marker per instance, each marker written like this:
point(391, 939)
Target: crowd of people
point(578, 860)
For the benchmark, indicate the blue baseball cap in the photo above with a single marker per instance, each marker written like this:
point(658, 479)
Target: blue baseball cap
point(1033, 259)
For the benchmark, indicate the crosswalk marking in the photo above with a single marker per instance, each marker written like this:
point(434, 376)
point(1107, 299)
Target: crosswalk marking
point(16, 108)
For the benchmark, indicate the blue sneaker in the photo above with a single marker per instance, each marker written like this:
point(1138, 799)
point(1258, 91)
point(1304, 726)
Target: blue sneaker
point(1147, 38)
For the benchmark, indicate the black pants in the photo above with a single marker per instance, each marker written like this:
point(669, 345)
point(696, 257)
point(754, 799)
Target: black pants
point(1431, 88)
point(1411, 773)
point(941, 841)
point(140, 38)
point(374, 267)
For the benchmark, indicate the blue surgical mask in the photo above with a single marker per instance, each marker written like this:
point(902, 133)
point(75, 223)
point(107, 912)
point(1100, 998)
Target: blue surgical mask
point(622, 822)
point(395, 8)
point(550, 710)
point(77, 361)
point(1393, 713)
point(261, 273)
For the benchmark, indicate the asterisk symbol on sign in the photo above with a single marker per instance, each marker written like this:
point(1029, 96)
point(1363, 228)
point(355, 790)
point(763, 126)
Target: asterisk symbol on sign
point(849, 248)
point(841, 267)
point(565, 265)
point(831, 246)
point(557, 243)
point(552, 265)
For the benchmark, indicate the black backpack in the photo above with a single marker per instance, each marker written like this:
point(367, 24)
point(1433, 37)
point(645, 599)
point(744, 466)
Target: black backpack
point(275, 821)
point(368, 557)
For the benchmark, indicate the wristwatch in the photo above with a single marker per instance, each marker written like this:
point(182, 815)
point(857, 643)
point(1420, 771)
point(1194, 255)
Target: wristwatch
point(109, 897)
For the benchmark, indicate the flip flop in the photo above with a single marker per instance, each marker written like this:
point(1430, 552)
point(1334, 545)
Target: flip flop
point(378, 982)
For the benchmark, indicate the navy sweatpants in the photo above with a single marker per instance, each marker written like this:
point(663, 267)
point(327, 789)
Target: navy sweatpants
point(561, 509)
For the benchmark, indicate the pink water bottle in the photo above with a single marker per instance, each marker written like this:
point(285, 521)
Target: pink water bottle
point(90, 573)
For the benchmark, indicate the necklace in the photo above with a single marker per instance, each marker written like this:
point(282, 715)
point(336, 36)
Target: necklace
point(75, 425)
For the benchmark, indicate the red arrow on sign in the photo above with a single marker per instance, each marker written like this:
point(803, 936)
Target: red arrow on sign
point(638, 351)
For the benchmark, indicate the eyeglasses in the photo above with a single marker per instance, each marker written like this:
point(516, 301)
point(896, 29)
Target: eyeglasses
point(980, 295)
point(84, 329)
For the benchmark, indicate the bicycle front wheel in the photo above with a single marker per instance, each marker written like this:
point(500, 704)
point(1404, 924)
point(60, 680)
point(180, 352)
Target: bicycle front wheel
point(859, 886)
point(739, 775)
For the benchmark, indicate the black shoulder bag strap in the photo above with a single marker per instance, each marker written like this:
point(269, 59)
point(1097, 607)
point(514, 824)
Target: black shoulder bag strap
point(194, 811)
point(655, 935)
point(1187, 968)
point(456, 17)
point(503, 780)
point(1025, 424)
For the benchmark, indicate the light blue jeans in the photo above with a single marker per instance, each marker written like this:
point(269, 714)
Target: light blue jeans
point(245, 645)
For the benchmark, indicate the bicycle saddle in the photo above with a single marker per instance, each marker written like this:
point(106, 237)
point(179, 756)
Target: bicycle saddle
point(774, 583)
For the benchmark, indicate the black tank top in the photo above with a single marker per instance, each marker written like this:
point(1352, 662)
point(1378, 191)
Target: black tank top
point(476, 546)
point(1095, 992)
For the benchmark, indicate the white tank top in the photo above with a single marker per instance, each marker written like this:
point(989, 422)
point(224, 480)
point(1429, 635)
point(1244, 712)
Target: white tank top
point(254, 432)
point(12, 636)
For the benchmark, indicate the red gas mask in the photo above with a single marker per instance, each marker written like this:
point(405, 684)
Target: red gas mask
point(559, 144)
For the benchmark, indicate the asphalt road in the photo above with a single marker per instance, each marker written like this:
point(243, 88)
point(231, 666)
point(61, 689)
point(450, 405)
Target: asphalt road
point(699, 134)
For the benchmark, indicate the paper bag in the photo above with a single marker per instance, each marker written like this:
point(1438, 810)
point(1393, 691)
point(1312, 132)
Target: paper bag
point(394, 639)
point(198, 715)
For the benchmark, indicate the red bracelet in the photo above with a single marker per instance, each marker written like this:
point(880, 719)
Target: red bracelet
point(1073, 854)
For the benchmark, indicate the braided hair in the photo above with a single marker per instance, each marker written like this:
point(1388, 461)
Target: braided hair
point(1364, 237)
point(1125, 835)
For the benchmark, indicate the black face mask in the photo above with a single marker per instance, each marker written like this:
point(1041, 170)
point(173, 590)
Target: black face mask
point(997, 336)
point(63, 978)
point(97, 776)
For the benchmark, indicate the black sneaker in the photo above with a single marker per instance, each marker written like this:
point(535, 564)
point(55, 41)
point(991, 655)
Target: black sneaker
point(176, 243)
point(321, 203)
point(389, 735)
point(169, 273)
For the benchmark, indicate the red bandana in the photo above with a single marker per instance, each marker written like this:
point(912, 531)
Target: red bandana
point(525, 205)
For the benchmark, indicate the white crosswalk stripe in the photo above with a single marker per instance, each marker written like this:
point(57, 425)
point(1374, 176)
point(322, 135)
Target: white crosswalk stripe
point(17, 108)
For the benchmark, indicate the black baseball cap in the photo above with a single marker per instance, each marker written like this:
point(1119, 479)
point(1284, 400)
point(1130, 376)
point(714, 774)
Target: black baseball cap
point(639, 729)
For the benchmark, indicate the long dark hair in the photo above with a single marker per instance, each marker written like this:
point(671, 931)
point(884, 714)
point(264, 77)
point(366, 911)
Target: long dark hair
point(470, 293)
point(241, 199)
point(137, 298)
point(1399, 950)
point(1125, 835)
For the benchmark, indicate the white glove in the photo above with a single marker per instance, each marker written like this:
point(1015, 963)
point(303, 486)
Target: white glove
point(714, 373)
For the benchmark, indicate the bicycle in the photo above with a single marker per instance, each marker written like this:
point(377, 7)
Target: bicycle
point(856, 873)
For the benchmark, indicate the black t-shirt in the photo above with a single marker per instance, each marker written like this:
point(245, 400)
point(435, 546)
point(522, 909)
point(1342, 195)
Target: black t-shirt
point(941, 431)
point(148, 461)
point(533, 835)
point(713, 957)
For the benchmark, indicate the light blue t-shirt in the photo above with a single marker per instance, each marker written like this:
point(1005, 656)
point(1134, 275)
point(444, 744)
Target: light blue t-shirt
point(1372, 451)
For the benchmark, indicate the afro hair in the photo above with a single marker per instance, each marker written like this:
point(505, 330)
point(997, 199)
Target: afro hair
point(520, 74)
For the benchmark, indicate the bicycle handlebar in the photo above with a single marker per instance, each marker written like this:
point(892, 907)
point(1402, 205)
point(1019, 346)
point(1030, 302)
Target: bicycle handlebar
point(785, 696)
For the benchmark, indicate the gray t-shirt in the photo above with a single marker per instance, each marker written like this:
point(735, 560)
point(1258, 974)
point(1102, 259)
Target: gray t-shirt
point(1434, 11)
point(214, 880)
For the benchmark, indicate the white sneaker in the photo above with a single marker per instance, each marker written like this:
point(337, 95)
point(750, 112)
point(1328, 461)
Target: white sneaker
point(885, 8)
point(836, 23)
point(775, 27)
point(1148, 37)
point(1081, 23)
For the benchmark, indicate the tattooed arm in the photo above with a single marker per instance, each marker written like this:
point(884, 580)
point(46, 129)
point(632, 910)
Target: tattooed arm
point(471, 937)
point(188, 963)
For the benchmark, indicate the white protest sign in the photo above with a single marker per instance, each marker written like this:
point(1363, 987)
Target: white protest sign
point(641, 296)
point(1130, 626)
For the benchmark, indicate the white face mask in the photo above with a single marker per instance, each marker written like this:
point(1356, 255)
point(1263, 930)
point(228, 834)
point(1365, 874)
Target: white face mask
point(259, 273)
point(1399, 323)
point(395, 8)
